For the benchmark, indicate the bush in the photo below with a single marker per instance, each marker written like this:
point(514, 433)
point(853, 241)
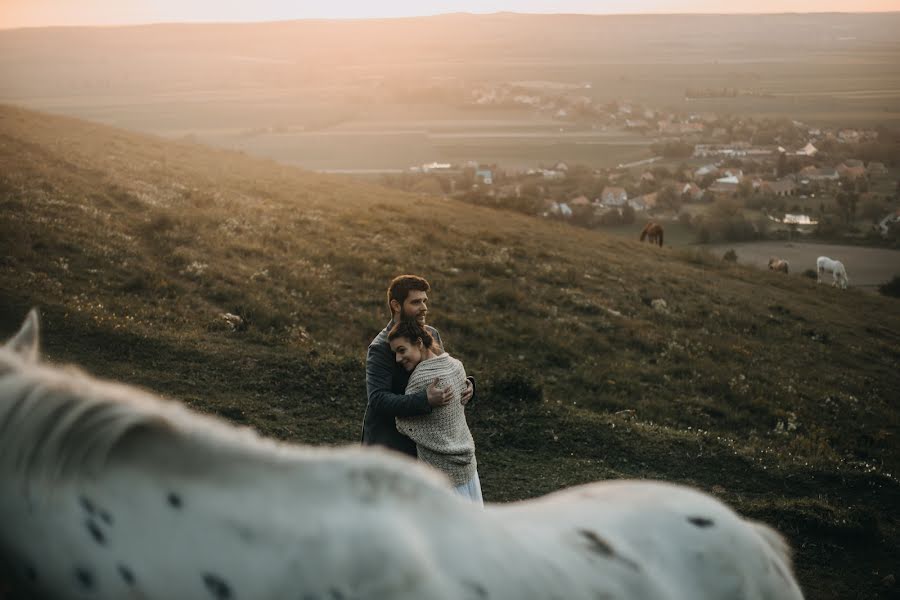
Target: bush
point(703, 234)
point(811, 273)
point(730, 256)
point(891, 288)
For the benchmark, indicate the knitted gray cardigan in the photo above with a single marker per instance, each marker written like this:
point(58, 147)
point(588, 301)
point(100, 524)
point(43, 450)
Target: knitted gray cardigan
point(442, 437)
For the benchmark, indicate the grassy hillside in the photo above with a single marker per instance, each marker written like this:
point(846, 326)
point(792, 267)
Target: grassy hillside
point(774, 394)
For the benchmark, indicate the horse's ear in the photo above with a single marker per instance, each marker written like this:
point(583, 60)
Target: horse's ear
point(25, 342)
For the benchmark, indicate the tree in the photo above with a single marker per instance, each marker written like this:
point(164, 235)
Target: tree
point(871, 209)
point(669, 198)
point(846, 202)
point(782, 169)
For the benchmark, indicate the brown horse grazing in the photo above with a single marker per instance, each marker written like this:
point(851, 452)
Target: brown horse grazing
point(653, 232)
point(777, 264)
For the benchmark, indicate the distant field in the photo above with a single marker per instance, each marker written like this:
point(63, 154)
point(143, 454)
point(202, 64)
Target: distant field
point(394, 90)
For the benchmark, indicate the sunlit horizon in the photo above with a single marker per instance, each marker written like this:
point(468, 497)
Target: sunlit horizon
point(16, 14)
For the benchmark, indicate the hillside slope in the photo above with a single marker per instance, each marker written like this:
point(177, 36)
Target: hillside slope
point(775, 394)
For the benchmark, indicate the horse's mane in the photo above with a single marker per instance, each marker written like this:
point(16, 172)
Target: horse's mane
point(56, 423)
point(60, 423)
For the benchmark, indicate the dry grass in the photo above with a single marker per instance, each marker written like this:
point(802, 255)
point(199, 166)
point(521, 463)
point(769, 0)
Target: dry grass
point(773, 393)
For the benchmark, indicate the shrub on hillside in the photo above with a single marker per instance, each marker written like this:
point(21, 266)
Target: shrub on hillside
point(811, 273)
point(891, 288)
point(730, 256)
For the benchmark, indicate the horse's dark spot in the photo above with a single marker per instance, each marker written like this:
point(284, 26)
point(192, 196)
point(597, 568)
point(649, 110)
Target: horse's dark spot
point(87, 505)
point(127, 574)
point(479, 590)
point(701, 521)
point(105, 516)
point(96, 532)
point(85, 578)
point(174, 500)
point(598, 544)
point(602, 547)
point(217, 586)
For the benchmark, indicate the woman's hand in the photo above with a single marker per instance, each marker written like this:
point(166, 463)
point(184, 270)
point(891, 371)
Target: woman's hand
point(437, 396)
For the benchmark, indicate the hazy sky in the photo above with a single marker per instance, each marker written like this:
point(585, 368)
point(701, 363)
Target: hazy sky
point(32, 13)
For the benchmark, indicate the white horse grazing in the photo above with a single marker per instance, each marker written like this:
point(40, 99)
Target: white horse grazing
point(110, 492)
point(836, 268)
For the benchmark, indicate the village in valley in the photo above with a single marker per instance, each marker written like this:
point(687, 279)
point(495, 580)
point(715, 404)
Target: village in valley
point(721, 178)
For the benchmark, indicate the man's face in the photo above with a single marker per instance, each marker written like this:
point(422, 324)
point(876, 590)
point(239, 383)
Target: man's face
point(414, 306)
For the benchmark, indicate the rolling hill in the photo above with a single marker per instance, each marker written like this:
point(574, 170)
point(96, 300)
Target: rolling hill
point(777, 395)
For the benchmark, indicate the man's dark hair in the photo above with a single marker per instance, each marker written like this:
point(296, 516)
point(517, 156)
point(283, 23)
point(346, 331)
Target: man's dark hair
point(402, 285)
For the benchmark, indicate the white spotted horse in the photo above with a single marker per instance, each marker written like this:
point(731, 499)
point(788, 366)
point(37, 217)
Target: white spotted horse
point(110, 492)
point(837, 270)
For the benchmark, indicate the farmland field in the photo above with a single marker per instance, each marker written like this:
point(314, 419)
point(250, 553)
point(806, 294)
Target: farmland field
point(315, 94)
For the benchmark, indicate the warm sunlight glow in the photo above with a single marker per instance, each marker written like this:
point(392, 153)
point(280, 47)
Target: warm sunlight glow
point(38, 13)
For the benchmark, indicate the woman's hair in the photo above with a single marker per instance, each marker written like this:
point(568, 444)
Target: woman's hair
point(411, 330)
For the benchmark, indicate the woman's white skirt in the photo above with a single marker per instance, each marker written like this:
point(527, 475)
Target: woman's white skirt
point(471, 490)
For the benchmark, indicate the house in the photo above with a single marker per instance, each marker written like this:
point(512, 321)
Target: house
point(613, 196)
point(819, 174)
point(645, 202)
point(691, 191)
point(725, 186)
point(648, 177)
point(790, 219)
point(580, 202)
point(561, 166)
point(848, 136)
point(553, 174)
point(706, 170)
point(636, 124)
point(638, 204)
point(435, 167)
point(851, 172)
point(485, 176)
point(558, 209)
point(783, 187)
point(729, 178)
point(808, 150)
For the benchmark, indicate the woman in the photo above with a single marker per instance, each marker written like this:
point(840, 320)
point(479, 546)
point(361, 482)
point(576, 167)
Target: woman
point(442, 437)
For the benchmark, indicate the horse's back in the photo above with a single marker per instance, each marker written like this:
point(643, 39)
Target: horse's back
point(661, 540)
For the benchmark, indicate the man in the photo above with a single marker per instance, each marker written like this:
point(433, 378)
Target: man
point(386, 380)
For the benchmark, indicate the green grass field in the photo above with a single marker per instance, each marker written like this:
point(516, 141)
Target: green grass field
point(777, 396)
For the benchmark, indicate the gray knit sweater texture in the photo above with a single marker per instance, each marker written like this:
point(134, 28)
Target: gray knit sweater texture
point(442, 437)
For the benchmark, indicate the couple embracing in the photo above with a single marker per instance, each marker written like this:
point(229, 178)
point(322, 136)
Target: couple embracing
point(417, 392)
